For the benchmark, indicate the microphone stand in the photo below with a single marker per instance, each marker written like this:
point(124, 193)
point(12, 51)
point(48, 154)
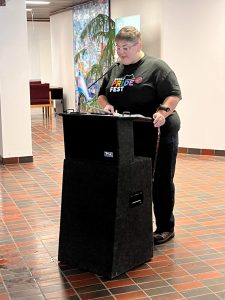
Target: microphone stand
point(80, 95)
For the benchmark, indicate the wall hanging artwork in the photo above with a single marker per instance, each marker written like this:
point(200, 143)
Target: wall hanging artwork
point(94, 48)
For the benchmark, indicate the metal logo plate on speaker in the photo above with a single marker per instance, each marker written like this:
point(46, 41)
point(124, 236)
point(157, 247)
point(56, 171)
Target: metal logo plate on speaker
point(108, 154)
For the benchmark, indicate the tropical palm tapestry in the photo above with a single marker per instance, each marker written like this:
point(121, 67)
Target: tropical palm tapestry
point(94, 34)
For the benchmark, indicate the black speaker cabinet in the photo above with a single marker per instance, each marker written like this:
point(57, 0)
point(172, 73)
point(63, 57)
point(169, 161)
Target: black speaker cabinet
point(106, 212)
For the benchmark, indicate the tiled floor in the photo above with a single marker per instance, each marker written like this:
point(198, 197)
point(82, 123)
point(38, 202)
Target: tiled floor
point(191, 266)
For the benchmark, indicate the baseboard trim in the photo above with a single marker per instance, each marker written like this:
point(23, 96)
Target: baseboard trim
point(211, 152)
point(15, 160)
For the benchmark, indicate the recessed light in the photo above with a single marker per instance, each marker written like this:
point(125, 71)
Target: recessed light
point(38, 2)
point(28, 9)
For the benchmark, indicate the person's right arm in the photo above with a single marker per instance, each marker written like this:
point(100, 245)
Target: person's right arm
point(103, 102)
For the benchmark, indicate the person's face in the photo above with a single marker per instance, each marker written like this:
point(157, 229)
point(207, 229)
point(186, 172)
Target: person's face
point(128, 52)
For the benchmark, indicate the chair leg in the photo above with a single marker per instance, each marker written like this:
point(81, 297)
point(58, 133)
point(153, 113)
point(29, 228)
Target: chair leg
point(50, 111)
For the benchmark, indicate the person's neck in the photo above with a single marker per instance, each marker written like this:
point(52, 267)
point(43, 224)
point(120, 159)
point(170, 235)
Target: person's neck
point(139, 56)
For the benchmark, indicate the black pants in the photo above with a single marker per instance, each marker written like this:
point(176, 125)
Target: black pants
point(163, 185)
point(163, 192)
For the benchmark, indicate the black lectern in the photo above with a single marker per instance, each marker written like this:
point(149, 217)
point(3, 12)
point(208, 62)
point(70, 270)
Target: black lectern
point(106, 212)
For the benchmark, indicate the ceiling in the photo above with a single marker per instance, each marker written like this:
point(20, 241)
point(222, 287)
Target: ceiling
point(43, 12)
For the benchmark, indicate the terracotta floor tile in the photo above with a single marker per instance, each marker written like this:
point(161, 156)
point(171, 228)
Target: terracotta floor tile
point(180, 279)
point(85, 282)
point(118, 283)
point(164, 290)
point(131, 296)
point(141, 273)
point(61, 293)
point(79, 277)
point(188, 286)
point(95, 295)
point(169, 296)
point(199, 293)
point(204, 276)
point(90, 288)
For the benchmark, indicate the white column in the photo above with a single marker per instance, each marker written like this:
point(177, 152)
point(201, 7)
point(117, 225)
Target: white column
point(15, 116)
point(61, 28)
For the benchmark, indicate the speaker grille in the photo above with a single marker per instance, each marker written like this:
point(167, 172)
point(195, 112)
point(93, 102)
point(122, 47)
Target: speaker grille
point(100, 230)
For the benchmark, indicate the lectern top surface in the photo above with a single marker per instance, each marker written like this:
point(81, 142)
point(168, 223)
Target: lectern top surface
point(114, 116)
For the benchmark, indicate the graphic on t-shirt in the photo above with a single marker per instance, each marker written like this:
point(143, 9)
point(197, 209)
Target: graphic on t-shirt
point(119, 84)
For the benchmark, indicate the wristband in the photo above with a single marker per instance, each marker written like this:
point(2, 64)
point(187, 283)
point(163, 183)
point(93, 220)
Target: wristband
point(163, 107)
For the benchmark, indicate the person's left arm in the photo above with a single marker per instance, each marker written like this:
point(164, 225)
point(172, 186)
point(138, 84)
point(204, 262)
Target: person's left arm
point(160, 115)
point(169, 92)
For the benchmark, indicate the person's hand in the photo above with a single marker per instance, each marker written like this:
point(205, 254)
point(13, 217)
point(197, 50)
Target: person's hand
point(109, 108)
point(159, 119)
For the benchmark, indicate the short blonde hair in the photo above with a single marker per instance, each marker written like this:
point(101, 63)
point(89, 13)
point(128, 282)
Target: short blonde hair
point(129, 34)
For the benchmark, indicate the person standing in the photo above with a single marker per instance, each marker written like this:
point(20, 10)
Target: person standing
point(146, 85)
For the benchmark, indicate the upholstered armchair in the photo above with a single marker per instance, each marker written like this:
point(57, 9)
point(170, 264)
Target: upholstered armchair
point(40, 96)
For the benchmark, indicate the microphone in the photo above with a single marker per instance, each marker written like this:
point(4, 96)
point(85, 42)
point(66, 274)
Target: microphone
point(110, 69)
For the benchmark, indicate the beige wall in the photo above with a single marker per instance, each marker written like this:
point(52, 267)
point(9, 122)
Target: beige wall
point(39, 46)
point(193, 43)
point(61, 28)
point(150, 13)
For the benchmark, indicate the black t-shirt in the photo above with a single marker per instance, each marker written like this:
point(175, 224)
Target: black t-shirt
point(141, 87)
